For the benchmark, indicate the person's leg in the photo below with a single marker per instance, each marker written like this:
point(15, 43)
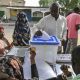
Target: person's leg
point(59, 50)
point(68, 46)
point(64, 46)
point(73, 44)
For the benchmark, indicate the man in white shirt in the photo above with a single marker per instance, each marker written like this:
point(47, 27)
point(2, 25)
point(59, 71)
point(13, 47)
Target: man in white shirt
point(54, 23)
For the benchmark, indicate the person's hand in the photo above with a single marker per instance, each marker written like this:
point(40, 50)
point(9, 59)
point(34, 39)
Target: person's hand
point(63, 42)
point(8, 47)
point(33, 54)
point(77, 27)
point(14, 63)
point(38, 33)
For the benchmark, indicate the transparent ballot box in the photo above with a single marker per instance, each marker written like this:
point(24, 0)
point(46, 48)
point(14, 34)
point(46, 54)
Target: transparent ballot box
point(46, 49)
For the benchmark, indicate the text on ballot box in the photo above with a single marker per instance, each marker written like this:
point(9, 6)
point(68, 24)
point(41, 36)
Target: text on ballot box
point(46, 49)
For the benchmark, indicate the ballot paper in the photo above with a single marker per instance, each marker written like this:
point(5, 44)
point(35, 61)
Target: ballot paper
point(45, 36)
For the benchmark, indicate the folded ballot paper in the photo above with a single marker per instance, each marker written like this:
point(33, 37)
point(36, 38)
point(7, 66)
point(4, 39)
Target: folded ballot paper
point(45, 36)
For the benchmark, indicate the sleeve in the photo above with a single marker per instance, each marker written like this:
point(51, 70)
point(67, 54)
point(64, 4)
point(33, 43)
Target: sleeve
point(64, 29)
point(77, 22)
point(77, 19)
point(41, 24)
point(6, 41)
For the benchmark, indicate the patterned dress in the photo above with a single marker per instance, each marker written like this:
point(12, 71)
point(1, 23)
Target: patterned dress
point(21, 35)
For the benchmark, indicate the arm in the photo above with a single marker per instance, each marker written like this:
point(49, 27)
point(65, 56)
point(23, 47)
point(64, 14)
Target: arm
point(77, 26)
point(39, 26)
point(26, 35)
point(77, 22)
point(32, 55)
point(64, 30)
point(7, 43)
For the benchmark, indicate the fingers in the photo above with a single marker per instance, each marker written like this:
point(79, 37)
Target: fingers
point(14, 64)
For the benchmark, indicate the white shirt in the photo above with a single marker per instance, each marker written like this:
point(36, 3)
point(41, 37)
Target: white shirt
point(52, 26)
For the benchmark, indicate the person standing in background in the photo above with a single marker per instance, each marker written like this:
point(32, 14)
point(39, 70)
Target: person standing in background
point(64, 42)
point(54, 23)
point(73, 22)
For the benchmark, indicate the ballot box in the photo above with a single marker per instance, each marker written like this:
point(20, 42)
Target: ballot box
point(46, 49)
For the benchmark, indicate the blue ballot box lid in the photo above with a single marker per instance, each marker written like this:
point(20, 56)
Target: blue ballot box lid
point(53, 40)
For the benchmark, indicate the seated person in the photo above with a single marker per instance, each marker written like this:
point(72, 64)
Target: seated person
point(11, 67)
point(4, 44)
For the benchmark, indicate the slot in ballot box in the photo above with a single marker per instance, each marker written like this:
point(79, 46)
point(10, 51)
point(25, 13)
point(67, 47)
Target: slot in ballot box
point(46, 49)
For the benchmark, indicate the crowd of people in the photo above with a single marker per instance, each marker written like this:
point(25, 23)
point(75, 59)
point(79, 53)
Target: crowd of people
point(65, 28)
